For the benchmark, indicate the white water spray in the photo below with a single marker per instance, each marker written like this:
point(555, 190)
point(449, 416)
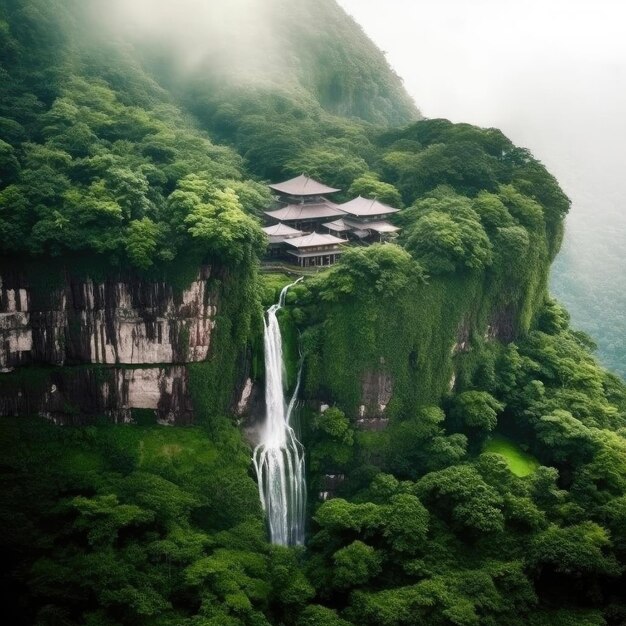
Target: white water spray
point(279, 457)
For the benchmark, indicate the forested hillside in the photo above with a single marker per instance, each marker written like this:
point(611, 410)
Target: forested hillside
point(97, 156)
point(487, 487)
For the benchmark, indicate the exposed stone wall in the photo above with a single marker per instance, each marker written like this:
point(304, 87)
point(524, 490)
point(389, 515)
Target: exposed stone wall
point(502, 325)
point(376, 392)
point(80, 395)
point(111, 322)
point(123, 343)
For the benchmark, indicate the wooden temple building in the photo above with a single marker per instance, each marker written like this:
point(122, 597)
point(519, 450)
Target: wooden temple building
point(302, 209)
point(364, 218)
point(315, 249)
point(303, 204)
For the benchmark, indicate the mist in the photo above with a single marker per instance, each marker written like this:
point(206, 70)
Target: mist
point(552, 76)
point(237, 36)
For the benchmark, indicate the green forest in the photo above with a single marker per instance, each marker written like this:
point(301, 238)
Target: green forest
point(496, 495)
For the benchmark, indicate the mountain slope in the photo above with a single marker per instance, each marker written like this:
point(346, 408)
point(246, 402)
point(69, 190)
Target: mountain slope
point(312, 50)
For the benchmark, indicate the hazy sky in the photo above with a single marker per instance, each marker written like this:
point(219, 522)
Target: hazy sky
point(537, 69)
point(552, 75)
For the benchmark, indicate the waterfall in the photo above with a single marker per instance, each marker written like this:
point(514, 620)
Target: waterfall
point(279, 457)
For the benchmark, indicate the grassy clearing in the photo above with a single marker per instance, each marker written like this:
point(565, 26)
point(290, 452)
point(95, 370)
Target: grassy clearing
point(519, 462)
point(182, 448)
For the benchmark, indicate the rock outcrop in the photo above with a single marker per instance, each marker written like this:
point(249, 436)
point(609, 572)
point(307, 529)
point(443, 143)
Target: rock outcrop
point(376, 392)
point(82, 395)
point(117, 349)
point(110, 322)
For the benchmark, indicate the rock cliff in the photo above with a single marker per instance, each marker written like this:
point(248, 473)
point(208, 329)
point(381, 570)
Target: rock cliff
point(118, 348)
point(117, 321)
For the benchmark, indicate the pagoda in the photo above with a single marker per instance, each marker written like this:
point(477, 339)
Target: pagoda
point(302, 209)
point(277, 234)
point(315, 249)
point(303, 204)
point(364, 218)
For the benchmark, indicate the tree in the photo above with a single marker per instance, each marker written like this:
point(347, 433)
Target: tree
point(493, 214)
point(9, 165)
point(461, 496)
point(525, 210)
point(406, 523)
point(370, 186)
point(463, 165)
point(103, 517)
point(142, 242)
point(442, 243)
point(369, 272)
point(219, 224)
point(419, 444)
point(477, 410)
point(579, 549)
point(291, 589)
point(316, 615)
point(331, 165)
point(332, 447)
point(338, 514)
point(355, 565)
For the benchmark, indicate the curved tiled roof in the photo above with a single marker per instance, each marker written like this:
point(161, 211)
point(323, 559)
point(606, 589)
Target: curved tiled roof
point(281, 230)
point(338, 226)
point(296, 212)
point(302, 186)
point(315, 239)
point(364, 207)
point(381, 227)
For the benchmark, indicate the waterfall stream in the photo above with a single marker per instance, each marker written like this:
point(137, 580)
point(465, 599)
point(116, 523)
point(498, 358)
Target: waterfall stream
point(279, 457)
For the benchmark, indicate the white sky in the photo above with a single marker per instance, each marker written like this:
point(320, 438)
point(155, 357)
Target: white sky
point(538, 69)
point(552, 75)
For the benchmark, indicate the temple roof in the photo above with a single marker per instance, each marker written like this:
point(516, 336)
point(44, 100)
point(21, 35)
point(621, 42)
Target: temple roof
point(305, 253)
point(315, 239)
point(302, 186)
point(278, 233)
point(297, 212)
point(281, 230)
point(364, 207)
point(339, 226)
point(380, 227)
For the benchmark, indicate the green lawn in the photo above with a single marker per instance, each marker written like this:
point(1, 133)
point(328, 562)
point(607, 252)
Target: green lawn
point(519, 462)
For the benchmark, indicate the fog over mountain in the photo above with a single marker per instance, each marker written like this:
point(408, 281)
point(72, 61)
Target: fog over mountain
point(229, 35)
point(552, 76)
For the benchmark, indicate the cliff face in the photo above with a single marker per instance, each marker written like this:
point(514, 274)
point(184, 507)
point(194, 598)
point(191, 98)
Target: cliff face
point(80, 395)
point(117, 348)
point(113, 322)
point(126, 349)
point(378, 358)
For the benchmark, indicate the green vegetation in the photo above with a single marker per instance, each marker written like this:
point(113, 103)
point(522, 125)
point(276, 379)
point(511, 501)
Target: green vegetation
point(98, 159)
point(433, 522)
point(497, 494)
point(519, 462)
point(134, 525)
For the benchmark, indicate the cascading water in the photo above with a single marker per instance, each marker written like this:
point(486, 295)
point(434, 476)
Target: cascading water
point(279, 457)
